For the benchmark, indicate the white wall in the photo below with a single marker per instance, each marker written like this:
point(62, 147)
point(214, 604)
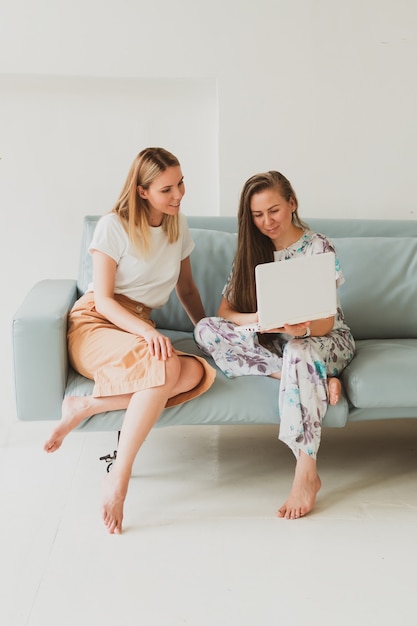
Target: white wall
point(323, 90)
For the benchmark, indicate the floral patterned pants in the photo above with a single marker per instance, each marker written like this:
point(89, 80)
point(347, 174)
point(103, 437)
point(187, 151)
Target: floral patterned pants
point(302, 364)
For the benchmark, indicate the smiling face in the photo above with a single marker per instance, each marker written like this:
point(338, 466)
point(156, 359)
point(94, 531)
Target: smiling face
point(164, 194)
point(272, 214)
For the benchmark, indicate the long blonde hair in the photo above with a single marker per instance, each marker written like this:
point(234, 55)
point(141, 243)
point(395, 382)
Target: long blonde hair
point(133, 211)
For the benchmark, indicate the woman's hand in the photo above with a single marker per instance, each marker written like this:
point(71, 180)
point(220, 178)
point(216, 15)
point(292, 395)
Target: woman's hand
point(317, 328)
point(159, 345)
point(294, 330)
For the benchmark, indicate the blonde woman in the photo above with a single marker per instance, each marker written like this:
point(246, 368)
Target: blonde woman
point(140, 253)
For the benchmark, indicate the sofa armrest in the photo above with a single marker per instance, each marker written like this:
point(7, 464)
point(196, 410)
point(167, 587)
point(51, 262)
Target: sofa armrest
point(40, 354)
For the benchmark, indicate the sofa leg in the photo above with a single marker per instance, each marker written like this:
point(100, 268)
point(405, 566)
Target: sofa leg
point(109, 458)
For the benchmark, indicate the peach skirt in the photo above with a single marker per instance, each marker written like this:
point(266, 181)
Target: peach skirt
point(117, 361)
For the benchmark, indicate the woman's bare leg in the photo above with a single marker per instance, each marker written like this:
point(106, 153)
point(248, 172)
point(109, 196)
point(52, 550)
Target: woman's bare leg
point(276, 375)
point(141, 414)
point(145, 407)
point(75, 409)
point(304, 490)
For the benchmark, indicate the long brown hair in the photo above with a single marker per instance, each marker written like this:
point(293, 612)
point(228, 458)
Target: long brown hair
point(253, 247)
point(133, 210)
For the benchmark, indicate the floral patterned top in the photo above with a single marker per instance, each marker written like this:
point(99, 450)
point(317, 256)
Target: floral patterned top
point(310, 243)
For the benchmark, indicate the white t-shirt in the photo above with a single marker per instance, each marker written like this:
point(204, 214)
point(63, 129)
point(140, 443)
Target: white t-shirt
point(149, 279)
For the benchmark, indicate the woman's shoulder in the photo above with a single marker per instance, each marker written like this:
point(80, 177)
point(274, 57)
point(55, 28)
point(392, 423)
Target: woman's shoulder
point(110, 229)
point(318, 242)
point(182, 222)
point(183, 229)
point(314, 235)
point(109, 220)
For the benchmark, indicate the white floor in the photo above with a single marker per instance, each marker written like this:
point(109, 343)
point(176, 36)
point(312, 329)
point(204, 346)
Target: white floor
point(202, 545)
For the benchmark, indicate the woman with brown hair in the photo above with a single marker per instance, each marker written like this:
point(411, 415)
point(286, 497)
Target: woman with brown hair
point(306, 357)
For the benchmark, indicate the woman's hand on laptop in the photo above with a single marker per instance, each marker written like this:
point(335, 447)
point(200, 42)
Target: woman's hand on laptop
point(293, 330)
point(317, 328)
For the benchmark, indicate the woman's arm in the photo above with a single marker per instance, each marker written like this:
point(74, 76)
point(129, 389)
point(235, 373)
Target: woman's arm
point(188, 293)
point(318, 328)
point(104, 274)
point(229, 313)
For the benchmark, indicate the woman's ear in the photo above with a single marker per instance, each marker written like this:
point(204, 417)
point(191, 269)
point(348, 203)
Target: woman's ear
point(142, 192)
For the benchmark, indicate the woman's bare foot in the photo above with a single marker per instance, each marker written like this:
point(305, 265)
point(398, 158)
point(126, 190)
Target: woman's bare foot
point(335, 390)
point(75, 409)
point(304, 490)
point(276, 375)
point(114, 495)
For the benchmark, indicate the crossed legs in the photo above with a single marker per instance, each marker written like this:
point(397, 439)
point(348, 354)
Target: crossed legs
point(143, 408)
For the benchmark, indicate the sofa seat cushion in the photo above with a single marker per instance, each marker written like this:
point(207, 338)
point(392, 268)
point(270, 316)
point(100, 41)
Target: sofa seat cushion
point(383, 373)
point(243, 400)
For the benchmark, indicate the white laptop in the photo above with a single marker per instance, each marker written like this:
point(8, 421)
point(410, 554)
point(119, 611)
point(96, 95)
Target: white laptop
point(295, 290)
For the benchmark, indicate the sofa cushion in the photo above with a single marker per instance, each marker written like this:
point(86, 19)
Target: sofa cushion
point(383, 373)
point(243, 400)
point(379, 297)
point(211, 262)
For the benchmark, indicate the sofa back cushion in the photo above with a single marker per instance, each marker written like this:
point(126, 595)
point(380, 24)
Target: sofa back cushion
point(85, 270)
point(379, 297)
point(211, 262)
point(332, 227)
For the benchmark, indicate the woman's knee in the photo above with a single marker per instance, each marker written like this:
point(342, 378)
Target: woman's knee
point(301, 351)
point(206, 330)
point(304, 347)
point(192, 372)
point(183, 373)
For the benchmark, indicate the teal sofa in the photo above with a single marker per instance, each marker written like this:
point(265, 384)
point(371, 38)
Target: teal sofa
point(379, 298)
